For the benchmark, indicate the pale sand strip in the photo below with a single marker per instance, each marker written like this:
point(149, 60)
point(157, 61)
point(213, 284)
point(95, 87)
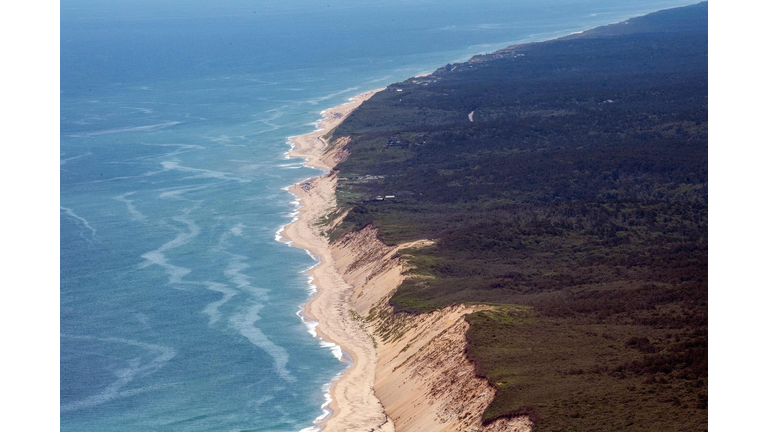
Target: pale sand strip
point(354, 405)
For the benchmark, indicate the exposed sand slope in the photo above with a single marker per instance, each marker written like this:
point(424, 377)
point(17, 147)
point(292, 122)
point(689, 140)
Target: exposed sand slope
point(426, 383)
point(415, 365)
point(354, 405)
point(423, 377)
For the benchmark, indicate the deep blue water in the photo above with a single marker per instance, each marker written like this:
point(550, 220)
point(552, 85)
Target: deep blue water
point(178, 304)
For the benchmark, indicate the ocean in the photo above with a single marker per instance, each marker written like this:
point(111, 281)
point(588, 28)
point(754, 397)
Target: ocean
point(179, 304)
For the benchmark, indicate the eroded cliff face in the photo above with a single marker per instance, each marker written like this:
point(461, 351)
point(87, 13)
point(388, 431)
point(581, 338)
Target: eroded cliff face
point(335, 152)
point(423, 377)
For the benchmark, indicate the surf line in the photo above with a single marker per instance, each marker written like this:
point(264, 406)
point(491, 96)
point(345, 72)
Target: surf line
point(311, 324)
point(310, 201)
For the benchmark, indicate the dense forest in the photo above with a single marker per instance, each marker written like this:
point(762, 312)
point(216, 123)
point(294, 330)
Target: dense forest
point(564, 183)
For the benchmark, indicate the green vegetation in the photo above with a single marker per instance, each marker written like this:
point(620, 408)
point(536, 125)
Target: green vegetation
point(576, 201)
point(582, 375)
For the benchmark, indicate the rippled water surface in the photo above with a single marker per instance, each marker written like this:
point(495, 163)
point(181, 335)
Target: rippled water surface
point(178, 304)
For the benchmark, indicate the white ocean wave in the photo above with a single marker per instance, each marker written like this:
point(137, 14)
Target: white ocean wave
point(326, 412)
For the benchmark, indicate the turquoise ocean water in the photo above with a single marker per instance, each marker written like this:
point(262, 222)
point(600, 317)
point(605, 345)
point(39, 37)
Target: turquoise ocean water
point(178, 304)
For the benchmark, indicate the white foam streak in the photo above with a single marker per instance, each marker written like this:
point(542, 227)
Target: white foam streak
point(128, 129)
point(291, 165)
point(243, 323)
point(203, 173)
point(182, 238)
point(143, 110)
point(244, 320)
point(183, 148)
point(212, 309)
point(135, 213)
point(146, 174)
point(157, 256)
point(124, 376)
point(373, 80)
point(226, 140)
point(237, 230)
point(174, 192)
point(326, 97)
point(82, 221)
point(240, 280)
point(175, 273)
point(63, 161)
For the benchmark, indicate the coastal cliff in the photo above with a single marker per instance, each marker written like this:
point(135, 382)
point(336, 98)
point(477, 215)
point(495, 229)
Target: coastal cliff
point(573, 199)
point(409, 372)
point(423, 377)
point(598, 282)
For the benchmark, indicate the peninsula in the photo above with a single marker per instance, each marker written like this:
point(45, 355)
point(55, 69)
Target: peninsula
point(519, 242)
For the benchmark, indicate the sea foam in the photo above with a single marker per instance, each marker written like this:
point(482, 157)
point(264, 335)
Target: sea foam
point(244, 322)
point(135, 369)
point(82, 221)
point(146, 128)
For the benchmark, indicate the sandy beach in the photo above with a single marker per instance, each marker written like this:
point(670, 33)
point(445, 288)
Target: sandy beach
point(354, 405)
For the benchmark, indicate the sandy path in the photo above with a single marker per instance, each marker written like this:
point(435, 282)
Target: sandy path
point(354, 405)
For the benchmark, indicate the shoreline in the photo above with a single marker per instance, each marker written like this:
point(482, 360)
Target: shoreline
point(352, 401)
point(437, 386)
